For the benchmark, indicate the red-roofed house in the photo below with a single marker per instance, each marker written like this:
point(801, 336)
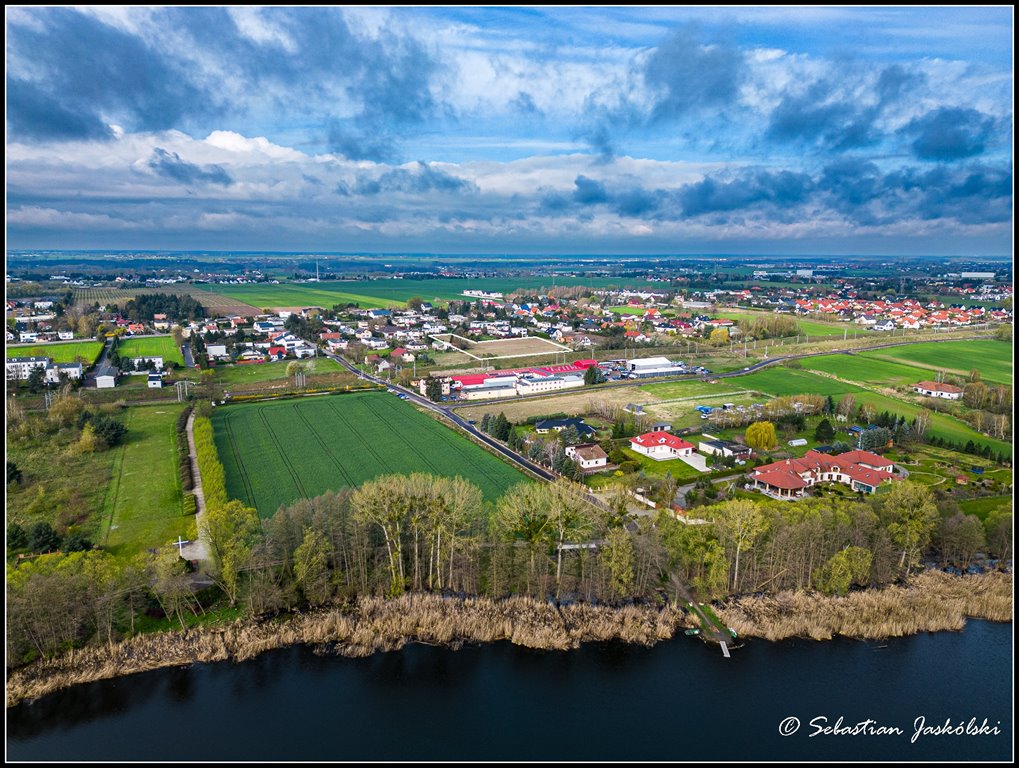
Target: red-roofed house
point(661, 446)
point(938, 389)
point(787, 479)
point(277, 353)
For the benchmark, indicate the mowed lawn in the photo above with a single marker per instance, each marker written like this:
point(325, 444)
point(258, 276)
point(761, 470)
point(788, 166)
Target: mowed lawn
point(151, 346)
point(276, 453)
point(991, 357)
point(61, 353)
point(143, 501)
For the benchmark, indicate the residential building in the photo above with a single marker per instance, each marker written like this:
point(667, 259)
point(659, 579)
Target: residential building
point(724, 448)
point(588, 455)
point(661, 446)
point(21, 367)
point(69, 370)
point(558, 425)
point(788, 479)
point(938, 389)
point(155, 380)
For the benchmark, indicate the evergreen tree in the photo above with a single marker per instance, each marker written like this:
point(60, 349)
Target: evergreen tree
point(824, 432)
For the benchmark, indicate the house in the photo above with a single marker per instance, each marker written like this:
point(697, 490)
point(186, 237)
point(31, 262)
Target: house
point(938, 389)
point(661, 426)
point(724, 448)
point(21, 367)
point(558, 425)
point(661, 446)
point(28, 337)
point(217, 351)
point(588, 456)
point(277, 352)
point(70, 370)
point(636, 410)
point(155, 380)
point(860, 470)
point(65, 335)
point(884, 325)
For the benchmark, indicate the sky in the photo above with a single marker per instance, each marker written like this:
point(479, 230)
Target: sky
point(841, 130)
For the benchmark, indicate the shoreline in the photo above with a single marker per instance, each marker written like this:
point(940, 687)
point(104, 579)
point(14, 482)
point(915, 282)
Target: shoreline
point(931, 601)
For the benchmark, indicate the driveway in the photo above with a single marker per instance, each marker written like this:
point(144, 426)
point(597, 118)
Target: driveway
point(696, 461)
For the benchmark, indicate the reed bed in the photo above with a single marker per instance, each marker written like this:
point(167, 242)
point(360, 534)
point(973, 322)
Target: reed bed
point(930, 602)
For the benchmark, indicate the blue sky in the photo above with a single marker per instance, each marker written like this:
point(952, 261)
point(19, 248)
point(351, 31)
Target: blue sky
point(512, 130)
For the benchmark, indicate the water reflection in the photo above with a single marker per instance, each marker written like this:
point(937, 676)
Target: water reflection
point(676, 701)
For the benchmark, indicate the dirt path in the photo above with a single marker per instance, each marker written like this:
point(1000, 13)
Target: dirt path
point(196, 550)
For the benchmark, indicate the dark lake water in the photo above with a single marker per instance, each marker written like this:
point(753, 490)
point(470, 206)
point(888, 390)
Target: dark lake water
point(677, 701)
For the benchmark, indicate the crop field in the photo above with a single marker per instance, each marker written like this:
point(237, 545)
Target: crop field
point(875, 371)
point(991, 357)
point(67, 352)
point(143, 500)
point(151, 346)
point(395, 293)
point(275, 453)
point(216, 304)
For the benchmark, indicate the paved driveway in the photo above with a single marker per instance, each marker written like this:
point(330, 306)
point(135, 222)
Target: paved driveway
point(696, 461)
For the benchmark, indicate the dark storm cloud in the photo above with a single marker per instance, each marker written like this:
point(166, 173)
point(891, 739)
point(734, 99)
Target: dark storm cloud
point(80, 69)
point(950, 133)
point(690, 75)
point(170, 165)
point(71, 73)
point(588, 191)
point(422, 179)
point(780, 189)
point(819, 116)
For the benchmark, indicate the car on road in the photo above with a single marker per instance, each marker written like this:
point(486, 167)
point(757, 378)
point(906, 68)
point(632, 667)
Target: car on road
point(470, 421)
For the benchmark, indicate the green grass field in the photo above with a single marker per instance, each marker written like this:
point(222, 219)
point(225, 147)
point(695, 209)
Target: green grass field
point(639, 311)
point(983, 507)
point(277, 371)
point(151, 346)
point(810, 328)
point(991, 357)
point(395, 293)
point(942, 425)
point(61, 353)
point(867, 370)
point(672, 390)
point(142, 508)
point(275, 453)
point(780, 380)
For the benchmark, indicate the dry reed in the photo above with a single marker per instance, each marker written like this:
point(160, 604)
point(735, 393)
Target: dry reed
point(932, 601)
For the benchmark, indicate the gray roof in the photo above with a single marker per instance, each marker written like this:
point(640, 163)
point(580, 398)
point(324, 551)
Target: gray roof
point(33, 359)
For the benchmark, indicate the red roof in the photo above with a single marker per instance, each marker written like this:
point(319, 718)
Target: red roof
point(865, 457)
point(651, 439)
point(398, 352)
point(937, 386)
point(781, 478)
point(471, 379)
point(277, 350)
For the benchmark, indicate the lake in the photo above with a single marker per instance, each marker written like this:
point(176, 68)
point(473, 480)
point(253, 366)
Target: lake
point(679, 700)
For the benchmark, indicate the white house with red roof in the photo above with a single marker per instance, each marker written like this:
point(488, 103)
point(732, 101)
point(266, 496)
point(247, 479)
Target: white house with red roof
point(661, 446)
point(789, 479)
point(938, 389)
